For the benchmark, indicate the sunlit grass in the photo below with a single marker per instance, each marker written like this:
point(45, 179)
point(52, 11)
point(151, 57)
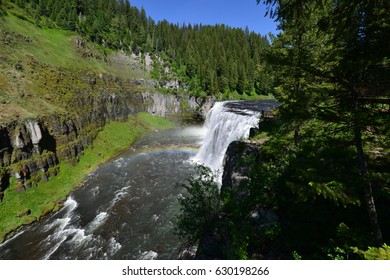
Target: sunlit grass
point(114, 138)
point(50, 46)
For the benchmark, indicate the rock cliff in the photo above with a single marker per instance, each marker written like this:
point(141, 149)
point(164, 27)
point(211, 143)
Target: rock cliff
point(31, 149)
point(57, 91)
point(238, 159)
point(169, 105)
point(220, 241)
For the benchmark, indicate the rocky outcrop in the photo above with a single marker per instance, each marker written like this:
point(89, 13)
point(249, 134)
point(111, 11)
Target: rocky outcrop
point(218, 241)
point(167, 105)
point(31, 149)
point(238, 159)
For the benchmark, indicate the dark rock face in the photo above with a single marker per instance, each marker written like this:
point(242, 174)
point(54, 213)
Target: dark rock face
point(31, 149)
point(238, 157)
point(4, 182)
point(5, 147)
point(217, 243)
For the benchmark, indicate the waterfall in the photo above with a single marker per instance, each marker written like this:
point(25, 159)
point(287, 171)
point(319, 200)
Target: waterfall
point(226, 122)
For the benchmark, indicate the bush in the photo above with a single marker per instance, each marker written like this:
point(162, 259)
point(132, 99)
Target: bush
point(199, 205)
point(374, 253)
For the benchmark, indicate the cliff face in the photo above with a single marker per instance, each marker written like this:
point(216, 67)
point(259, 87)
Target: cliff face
point(57, 91)
point(187, 106)
point(31, 149)
point(239, 156)
point(238, 159)
point(220, 241)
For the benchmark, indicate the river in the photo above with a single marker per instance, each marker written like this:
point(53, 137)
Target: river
point(127, 207)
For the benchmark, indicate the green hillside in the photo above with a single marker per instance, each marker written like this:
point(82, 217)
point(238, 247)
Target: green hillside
point(54, 75)
point(209, 60)
point(34, 61)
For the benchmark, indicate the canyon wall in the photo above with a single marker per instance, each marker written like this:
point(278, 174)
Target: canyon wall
point(31, 149)
point(173, 105)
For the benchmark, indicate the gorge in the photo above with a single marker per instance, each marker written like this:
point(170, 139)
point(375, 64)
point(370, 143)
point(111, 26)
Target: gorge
point(126, 208)
point(90, 93)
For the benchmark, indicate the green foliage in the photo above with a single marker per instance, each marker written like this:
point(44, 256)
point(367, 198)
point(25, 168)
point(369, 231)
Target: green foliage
point(313, 189)
point(239, 246)
point(296, 256)
point(51, 46)
point(331, 66)
point(2, 10)
point(208, 59)
point(199, 205)
point(375, 253)
point(154, 122)
point(338, 254)
point(111, 140)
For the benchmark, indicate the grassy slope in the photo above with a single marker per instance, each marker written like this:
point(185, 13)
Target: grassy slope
point(45, 198)
point(27, 93)
point(22, 43)
point(19, 89)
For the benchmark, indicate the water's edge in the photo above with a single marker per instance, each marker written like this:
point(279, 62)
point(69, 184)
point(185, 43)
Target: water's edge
point(95, 217)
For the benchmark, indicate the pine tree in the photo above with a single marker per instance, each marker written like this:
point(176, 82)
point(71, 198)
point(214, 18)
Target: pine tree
point(328, 58)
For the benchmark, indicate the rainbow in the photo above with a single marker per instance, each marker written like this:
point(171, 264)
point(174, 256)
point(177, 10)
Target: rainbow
point(169, 148)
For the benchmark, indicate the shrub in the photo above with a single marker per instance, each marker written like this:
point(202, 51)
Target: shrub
point(199, 205)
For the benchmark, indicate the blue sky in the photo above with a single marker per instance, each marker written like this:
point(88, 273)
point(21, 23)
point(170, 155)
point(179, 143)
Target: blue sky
point(235, 13)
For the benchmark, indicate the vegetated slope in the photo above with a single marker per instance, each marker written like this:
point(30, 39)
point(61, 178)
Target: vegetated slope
point(217, 60)
point(66, 105)
point(39, 67)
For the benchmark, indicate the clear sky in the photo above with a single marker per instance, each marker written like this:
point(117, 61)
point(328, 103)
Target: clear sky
point(234, 13)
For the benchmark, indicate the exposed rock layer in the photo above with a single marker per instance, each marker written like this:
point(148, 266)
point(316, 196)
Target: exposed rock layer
point(168, 105)
point(31, 149)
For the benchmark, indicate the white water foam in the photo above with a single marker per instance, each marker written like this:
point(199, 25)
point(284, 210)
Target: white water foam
point(155, 217)
point(119, 162)
point(61, 232)
point(79, 236)
point(119, 195)
point(148, 255)
point(95, 191)
point(69, 206)
point(12, 238)
point(65, 231)
point(97, 222)
point(223, 127)
point(113, 247)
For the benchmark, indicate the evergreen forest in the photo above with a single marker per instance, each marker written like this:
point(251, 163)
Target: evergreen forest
point(318, 186)
point(321, 176)
point(208, 60)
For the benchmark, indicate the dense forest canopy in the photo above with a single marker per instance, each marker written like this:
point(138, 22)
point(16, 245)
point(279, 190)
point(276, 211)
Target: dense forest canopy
point(336, 55)
point(319, 185)
point(324, 162)
point(209, 60)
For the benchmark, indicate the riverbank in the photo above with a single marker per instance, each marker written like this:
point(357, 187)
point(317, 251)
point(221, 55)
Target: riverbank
point(22, 208)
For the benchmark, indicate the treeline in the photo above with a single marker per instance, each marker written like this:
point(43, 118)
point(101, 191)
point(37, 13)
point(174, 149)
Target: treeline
point(207, 59)
point(327, 162)
point(319, 184)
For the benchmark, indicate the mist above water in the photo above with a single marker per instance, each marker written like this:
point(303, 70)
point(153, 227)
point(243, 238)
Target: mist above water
point(127, 207)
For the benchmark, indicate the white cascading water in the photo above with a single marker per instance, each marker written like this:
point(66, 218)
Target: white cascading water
point(223, 127)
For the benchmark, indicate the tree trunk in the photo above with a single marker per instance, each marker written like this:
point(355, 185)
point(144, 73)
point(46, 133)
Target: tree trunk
point(371, 208)
point(297, 135)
